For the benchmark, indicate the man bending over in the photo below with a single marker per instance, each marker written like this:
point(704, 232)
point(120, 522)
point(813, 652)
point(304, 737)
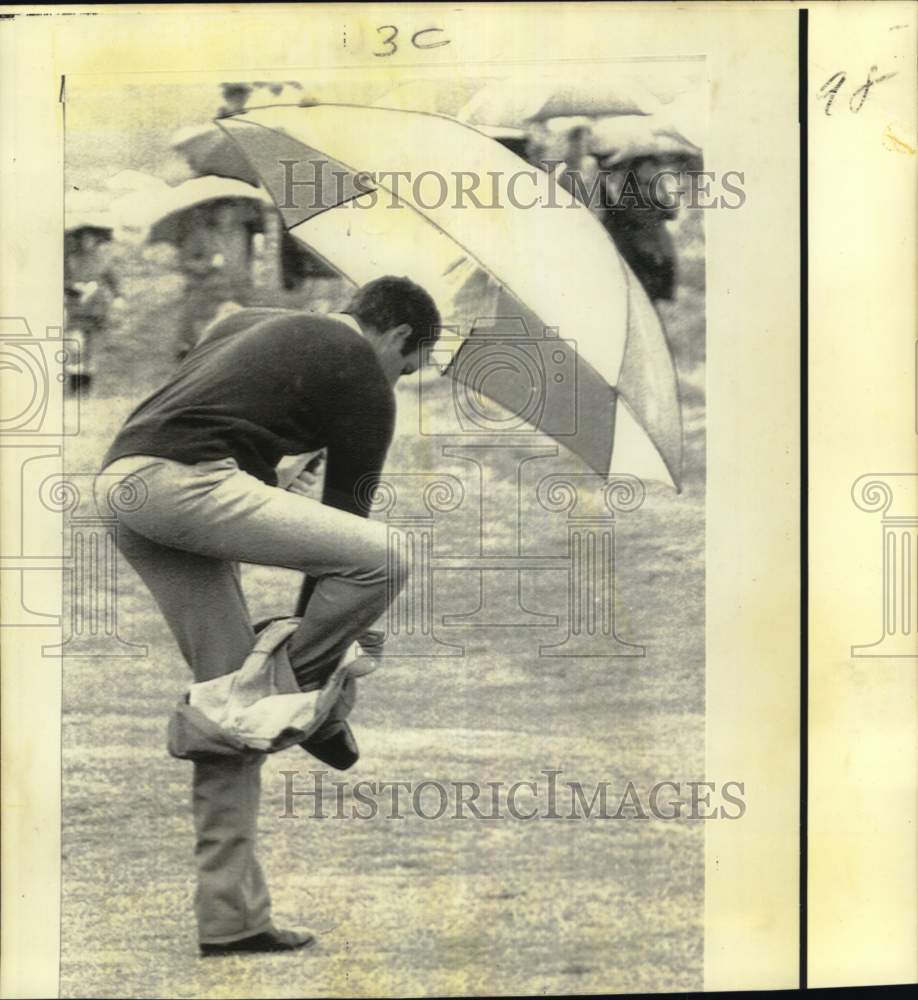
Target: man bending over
point(262, 385)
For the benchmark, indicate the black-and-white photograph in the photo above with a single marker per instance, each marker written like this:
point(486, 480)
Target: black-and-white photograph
point(385, 663)
point(458, 512)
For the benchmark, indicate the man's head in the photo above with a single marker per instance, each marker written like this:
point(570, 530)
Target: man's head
point(396, 315)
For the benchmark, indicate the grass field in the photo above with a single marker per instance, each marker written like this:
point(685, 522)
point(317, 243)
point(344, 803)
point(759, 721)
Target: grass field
point(411, 906)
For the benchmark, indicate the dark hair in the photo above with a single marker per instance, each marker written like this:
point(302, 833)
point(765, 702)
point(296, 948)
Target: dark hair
point(390, 301)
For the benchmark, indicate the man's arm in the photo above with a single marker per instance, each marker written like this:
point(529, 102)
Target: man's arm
point(361, 419)
point(360, 422)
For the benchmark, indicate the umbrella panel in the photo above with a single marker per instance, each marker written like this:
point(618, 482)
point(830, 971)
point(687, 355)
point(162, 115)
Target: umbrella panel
point(648, 382)
point(308, 182)
point(539, 382)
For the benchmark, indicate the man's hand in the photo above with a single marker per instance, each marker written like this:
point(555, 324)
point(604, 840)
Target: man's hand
point(302, 476)
point(304, 484)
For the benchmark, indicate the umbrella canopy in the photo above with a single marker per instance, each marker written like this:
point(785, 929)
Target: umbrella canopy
point(165, 214)
point(627, 137)
point(133, 182)
point(436, 95)
point(542, 286)
point(516, 101)
point(77, 217)
point(130, 194)
point(102, 232)
point(89, 209)
point(209, 153)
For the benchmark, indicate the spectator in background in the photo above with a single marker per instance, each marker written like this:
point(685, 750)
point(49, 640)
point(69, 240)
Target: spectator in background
point(636, 216)
point(90, 289)
point(623, 191)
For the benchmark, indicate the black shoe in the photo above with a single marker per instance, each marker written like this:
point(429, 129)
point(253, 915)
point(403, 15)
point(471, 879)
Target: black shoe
point(333, 743)
point(272, 940)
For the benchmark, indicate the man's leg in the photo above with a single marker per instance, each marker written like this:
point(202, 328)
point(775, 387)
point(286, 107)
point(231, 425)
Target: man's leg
point(218, 515)
point(203, 604)
point(232, 899)
point(217, 511)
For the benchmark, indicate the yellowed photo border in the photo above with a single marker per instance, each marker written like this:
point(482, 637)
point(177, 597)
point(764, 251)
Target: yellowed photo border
point(863, 669)
point(753, 622)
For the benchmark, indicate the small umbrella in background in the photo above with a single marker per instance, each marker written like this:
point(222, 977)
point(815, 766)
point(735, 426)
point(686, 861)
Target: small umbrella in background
point(129, 194)
point(165, 213)
point(615, 403)
point(614, 140)
point(87, 208)
point(95, 220)
point(517, 101)
point(132, 182)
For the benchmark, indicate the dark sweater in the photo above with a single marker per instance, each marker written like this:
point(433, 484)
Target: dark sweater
point(265, 384)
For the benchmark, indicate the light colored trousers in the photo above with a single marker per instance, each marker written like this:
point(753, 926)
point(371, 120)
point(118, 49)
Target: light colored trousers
point(196, 523)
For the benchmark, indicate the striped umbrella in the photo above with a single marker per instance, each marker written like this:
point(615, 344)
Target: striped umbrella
point(209, 153)
point(550, 323)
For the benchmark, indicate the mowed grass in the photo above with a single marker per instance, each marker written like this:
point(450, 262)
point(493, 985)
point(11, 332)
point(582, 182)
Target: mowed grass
point(412, 906)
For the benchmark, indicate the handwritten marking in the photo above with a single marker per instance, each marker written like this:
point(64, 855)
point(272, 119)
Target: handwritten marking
point(390, 40)
point(831, 88)
point(864, 88)
point(430, 45)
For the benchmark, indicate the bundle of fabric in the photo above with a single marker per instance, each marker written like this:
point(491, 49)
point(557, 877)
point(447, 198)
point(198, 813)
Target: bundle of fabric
point(260, 708)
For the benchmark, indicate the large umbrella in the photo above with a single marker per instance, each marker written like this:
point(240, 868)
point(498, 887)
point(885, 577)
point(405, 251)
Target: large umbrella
point(580, 352)
point(166, 212)
point(443, 95)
